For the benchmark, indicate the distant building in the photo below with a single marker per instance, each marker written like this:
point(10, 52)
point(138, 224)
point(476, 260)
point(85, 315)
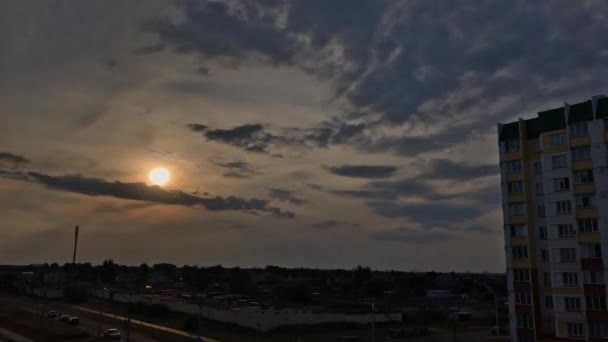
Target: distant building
point(555, 206)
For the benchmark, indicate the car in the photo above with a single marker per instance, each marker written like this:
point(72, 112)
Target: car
point(74, 320)
point(64, 318)
point(112, 334)
point(52, 314)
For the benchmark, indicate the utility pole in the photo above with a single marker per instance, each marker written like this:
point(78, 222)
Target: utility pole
point(200, 314)
point(75, 245)
point(373, 338)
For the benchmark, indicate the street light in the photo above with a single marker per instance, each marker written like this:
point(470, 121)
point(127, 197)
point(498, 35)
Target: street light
point(128, 311)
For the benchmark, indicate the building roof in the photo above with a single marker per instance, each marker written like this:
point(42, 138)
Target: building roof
point(552, 120)
point(580, 112)
point(602, 108)
point(532, 128)
point(509, 131)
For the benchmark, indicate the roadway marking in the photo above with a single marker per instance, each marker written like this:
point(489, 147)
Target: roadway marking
point(146, 324)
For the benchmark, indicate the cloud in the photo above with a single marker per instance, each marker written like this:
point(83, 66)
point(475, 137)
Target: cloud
point(155, 194)
point(406, 235)
point(284, 195)
point(430, 214)
point(249, 137)
point(14, 159)
point(236, 169)
point(448, 169)
point(363, 171)
point(332, 224)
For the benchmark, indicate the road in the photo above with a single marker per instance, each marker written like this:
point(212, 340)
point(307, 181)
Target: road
point(87, 324)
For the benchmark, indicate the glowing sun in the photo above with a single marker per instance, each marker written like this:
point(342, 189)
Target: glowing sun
point(159, 176)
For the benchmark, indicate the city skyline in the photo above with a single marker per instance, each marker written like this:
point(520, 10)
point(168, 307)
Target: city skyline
point(299, 133)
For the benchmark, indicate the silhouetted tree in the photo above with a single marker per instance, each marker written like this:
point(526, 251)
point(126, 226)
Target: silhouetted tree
point(239, 280)
point(108, 271)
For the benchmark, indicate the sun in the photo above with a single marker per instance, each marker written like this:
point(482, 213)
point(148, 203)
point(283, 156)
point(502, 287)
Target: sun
point(159, 176)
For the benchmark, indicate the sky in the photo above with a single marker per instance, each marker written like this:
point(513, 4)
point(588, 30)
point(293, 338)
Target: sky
point(305, 133)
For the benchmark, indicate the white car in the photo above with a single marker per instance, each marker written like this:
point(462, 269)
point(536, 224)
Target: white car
point(112, 334)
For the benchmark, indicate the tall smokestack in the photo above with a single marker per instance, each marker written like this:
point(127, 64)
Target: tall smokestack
point(75, 244)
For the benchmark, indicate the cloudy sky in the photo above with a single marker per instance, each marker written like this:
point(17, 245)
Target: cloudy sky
point(298, 133)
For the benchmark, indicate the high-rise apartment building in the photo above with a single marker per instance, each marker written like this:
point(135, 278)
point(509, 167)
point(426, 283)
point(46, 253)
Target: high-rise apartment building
point(554, 178)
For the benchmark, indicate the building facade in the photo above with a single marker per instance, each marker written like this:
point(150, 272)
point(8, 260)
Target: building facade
point(554, 180)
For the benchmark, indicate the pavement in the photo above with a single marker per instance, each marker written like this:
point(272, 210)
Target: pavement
point(7, 335)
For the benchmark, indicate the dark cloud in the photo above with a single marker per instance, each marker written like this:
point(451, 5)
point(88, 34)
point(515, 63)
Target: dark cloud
point(236, 169)
point(363, 171)
point(429, 215)
point(447, 169)
point(285, 195)
point(407, 235)
point(14, 159)
point(197, 127)
point(382, 68)
point(332, 224)
point(143, 192)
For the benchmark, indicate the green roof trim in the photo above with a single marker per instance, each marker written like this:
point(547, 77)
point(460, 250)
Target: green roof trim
point(552, 120)
point(509, 131)
point(602, 108)
point(532, 128)
point(580, 112)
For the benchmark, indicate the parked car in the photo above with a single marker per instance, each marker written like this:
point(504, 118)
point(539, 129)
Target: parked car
point(64, 318)
point(74, 320)
point(112, 334)
point(52, 314)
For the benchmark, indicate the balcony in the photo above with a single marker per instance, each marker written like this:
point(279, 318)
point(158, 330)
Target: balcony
point(520, 263)
point(580, 141)
point(584, 213)
point(519, 241)
point(585, 188)
point(511, 156)
point(590, 237)
point(516, 197)
point(594, 289)
point(518, 219)
point(585, 164)
point(593, 264)
point(514, 176)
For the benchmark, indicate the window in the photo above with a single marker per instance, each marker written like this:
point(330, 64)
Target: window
point(520, 252)
point(592, 250)
point(542, 233)
point(598, 328)
point(561, 184)
point(512, 145)
point(559, 161)
point(585, 201)
point(581, 153)
point(563, 207)
point(544, 255)
point(522, 298)
point(596, 303)
point(521, 275)
point(524, 321)
point(583, 176)
point(515, 187)
point(566, 231)
point(541, 210)
point(567, 254)
point(596, 277)
point(587, 225)
point(557, 139)
point(517, 209)
point(539, 189)
point(575, 329)
point(549, 302)
point(570, 279)
point(572, 303)
point(513, 166)
point(519, 230)
point(579, 129)
point(538, 168)
point(547, 278)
